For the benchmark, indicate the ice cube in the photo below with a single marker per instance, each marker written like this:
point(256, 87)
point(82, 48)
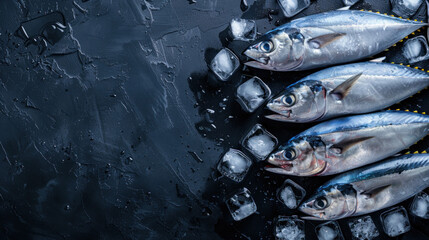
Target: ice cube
point(363, 228)
point(420, 205)
point(259, 142)
point(252, 94)
point(241, 204)
point(289, 228)
point(292, 7)
point(234, 164)
point(405, 8)
point(224, 64)
point(291, 194)
point(349, 2)
point(395, 221)
point(416, 49)
point(329, 231)
point(243, 29)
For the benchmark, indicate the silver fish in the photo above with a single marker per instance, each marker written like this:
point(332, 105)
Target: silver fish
point(349, 89)
point(327, 39)
point(369, 189)
point(346, 143)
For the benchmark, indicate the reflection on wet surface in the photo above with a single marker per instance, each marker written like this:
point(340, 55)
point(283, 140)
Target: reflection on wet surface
point(113, 125)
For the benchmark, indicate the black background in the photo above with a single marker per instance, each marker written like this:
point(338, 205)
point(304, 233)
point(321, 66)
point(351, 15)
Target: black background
point(105, 134)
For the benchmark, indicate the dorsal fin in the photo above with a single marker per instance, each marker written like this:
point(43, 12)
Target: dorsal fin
point(341, 90)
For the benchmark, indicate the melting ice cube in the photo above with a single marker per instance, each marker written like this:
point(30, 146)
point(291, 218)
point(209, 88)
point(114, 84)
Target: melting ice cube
point(289, 228)
point(224, 64)
point(291, 194)
point(234, 164)
point(252, 94)
point(363, 228)
point(259, 142)
point(292, 7)
point(329, 231)
point(405, 8)
point(243, 29)
point(420, 205)
point(241, 205)
point(349, 2)
point(395, 221)
point(416, 49)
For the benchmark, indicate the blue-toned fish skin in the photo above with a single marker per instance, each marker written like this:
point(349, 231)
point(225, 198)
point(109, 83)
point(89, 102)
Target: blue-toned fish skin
point(327, 39)
point(370, 188)
point(342, 144)
point(347, 89)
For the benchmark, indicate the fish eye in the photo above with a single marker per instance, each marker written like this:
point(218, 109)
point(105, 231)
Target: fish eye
point(266, 46)
point(289, 154)
point(289, 100)
point(321, 203)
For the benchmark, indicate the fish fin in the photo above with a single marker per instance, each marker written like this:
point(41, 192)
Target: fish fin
point(370, 193)
point(343, 147)
point(378, 60)
point(323, 40)
point(343, 89)
point(344, 8)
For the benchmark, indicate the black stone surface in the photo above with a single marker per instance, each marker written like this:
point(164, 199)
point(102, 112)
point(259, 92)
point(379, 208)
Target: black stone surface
point(104, 129)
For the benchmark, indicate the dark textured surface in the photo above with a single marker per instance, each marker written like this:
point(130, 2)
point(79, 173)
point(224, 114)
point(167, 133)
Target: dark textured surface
point(104, 127)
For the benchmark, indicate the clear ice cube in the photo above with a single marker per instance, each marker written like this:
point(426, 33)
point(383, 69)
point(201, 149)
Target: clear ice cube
point(252, 94)
point(224, 64)
point(289, 228)
point(234, 164)
point(241, 205)
point(363, 228)
point(292, 7)
point(395, 221)
point(420, 205)
point(329, 231)
point(349, 2)
point(416, 49)
point(243, 29)
point(405, 8)
point(291, 194)
point(259, 142)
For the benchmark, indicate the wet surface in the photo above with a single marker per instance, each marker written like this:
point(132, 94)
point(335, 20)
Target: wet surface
point(112, 125)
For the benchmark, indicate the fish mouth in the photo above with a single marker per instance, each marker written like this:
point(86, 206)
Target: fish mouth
point(280, 117)
point(312, 218)
point(257, 60)
point(284, 170)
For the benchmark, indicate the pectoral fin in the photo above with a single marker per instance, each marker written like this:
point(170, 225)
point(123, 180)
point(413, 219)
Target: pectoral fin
point(342, 147)
point(323, 40)
point(343, 89)
point(371, 193)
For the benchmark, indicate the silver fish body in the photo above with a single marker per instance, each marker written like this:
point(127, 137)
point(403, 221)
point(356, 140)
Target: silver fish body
point(343, 144)
point(370, 188)
point(348, 89)
point(327, 39)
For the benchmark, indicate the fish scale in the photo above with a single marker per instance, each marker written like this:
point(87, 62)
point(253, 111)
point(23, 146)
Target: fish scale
point(370, 188)
point(327, 39)
point(347, 89)
point(346, 143)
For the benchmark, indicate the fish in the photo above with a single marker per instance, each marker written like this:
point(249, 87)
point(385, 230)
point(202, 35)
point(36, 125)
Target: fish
point(347, 89)
point(328, 38)
point(369, 189)
point(342, 144)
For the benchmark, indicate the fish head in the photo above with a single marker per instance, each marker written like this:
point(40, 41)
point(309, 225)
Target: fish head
point(301, 102)
point(278, 50)
point(330, 203)
point(299, 157)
